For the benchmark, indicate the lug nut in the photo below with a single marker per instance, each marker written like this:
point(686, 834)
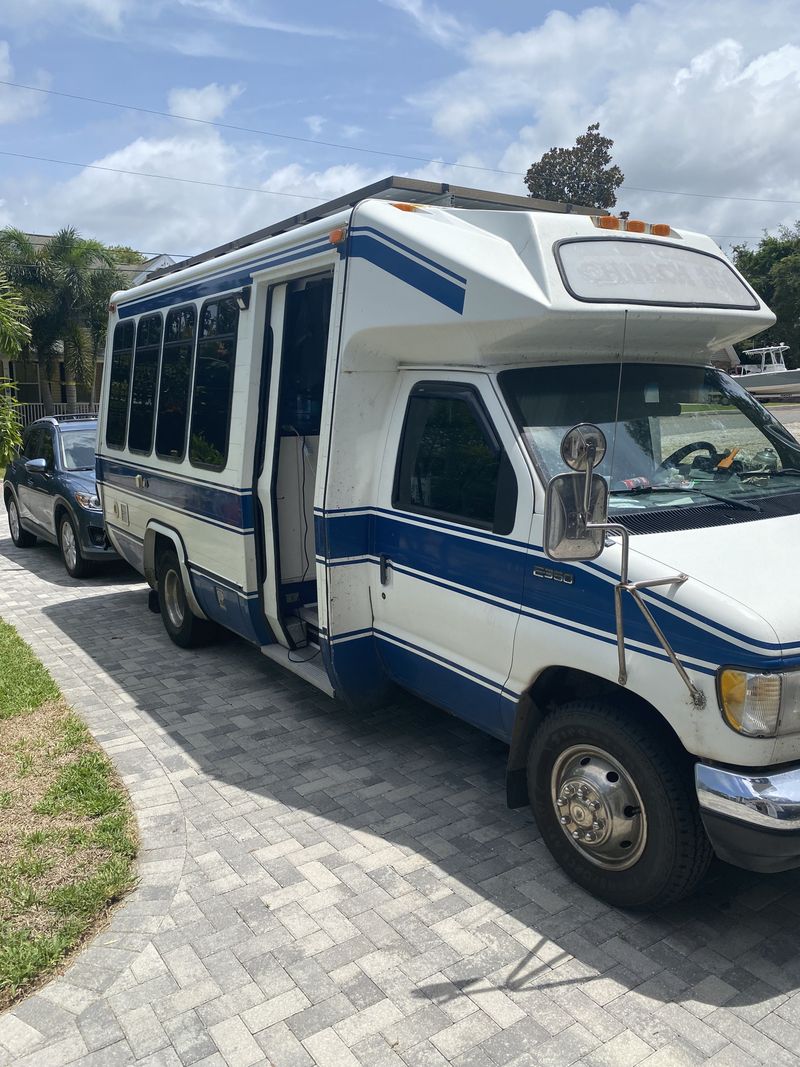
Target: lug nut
point(597, 825)
point(589, 836)
point(576, 834)
point(563, 820)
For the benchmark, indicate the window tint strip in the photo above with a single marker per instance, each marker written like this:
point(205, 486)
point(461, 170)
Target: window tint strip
point(119, 385)
point(173, 388)
point(143, 386)
point(213, 384)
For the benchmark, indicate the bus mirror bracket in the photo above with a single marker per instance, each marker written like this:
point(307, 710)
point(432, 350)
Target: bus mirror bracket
point(576, 527)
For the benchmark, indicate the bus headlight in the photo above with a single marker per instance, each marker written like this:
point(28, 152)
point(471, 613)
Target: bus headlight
point(760, 704)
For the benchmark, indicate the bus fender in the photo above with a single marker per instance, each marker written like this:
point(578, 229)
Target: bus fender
point(158, 529)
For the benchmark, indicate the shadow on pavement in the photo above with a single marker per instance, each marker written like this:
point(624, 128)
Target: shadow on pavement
point(426, 782)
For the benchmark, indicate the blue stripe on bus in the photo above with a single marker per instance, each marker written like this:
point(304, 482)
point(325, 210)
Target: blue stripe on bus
point(208, 502)
point(408, 270)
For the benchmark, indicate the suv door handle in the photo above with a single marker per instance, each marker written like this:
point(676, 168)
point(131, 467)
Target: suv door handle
point(384, 563)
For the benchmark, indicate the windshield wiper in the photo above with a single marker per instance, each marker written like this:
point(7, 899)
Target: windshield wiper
point(646, 489)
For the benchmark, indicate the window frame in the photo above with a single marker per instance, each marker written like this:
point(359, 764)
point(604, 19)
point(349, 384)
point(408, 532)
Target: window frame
point(217, 299)
point(154, 451)
point(142, 318)
point(121, 325)
point(471, 395)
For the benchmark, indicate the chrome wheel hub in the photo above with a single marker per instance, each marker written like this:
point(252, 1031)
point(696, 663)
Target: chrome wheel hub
point(13, 519)
point(599, 807)
point(68, 545)
point(174, 602)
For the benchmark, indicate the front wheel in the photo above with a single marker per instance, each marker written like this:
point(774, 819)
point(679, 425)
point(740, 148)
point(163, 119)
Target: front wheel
point(19, 535)
point(615, 803)
point(76, 565)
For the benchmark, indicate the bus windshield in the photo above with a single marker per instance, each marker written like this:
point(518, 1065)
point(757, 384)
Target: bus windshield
point(677, 435)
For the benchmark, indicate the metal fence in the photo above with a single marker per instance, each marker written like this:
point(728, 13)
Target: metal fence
point(31, 412)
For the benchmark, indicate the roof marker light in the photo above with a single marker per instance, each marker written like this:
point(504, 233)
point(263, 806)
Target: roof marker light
point(661, 229)
point(338, 235)
point(607, 222)
point(402, 206)
point(636, 226)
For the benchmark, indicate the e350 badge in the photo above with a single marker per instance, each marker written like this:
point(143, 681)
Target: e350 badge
point(550, 575)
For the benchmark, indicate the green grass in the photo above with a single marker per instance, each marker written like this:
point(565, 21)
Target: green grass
point(67, 834)
point(84, 787)
point(24, 681)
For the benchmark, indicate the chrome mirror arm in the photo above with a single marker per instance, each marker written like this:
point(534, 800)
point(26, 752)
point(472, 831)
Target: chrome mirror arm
point(634, 588)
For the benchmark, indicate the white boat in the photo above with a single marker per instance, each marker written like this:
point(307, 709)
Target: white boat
point(763, 372)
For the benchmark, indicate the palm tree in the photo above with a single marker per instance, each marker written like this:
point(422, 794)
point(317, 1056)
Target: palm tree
point(14, 333)
point(64, 285)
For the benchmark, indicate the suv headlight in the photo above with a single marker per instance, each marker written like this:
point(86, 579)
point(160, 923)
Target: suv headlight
point(760, 704)
point(90, 501)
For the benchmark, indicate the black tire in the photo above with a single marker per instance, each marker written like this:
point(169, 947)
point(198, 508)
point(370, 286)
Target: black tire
point(22, 539)
point(183, 627)
point(70, 548)
point(671, 851)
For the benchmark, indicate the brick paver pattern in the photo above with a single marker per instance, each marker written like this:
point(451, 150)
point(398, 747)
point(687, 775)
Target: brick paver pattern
point(323, 887)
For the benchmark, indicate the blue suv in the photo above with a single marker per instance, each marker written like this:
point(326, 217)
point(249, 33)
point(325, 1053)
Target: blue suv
point(50, 492)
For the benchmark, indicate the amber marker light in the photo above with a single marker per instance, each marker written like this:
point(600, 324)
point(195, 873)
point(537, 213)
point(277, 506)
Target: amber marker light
point(337, 236)
point(608, 222)
point(635, 226)
point(661, 229)
point(405, 207)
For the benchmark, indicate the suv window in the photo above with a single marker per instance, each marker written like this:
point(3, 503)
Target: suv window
point(46, 447)
point(451, 464)
point(30, 442)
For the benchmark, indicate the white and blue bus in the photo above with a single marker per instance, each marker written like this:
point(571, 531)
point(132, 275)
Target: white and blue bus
point(345, 438)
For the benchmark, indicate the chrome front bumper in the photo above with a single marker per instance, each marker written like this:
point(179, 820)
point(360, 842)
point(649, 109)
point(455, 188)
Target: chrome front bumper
point(752, 819)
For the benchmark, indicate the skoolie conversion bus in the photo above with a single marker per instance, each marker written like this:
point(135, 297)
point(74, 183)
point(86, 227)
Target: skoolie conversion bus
point(345, 438)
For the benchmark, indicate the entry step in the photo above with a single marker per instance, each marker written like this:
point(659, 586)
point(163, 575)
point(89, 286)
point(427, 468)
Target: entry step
point(306, 663)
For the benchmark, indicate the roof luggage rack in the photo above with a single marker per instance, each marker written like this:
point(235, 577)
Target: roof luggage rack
point(74, 416)
point(408, 190)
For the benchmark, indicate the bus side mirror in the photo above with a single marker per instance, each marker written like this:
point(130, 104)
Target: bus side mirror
point(576, 505)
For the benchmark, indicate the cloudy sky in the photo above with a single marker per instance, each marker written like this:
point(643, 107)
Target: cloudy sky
point(299, 102)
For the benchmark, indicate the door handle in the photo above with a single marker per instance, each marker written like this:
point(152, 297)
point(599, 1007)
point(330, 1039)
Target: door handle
point(384, 563)
point(141, 482)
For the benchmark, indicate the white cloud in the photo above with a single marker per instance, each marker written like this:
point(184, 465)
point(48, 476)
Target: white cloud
point(109, 14)
point(440, 26)
point(315, 124)
point(703, 98)
point(236, 13)
point(17, 104)
point(209, 103)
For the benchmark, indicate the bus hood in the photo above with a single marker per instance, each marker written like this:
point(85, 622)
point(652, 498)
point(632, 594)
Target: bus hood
point(741, 603)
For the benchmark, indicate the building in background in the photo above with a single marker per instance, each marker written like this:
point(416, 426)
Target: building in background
point(26, 373)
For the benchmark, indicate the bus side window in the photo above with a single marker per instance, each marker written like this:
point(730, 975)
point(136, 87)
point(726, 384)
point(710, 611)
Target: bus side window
point(143, 386)
point(173, 388)
point(119, 385)
point(213, 384)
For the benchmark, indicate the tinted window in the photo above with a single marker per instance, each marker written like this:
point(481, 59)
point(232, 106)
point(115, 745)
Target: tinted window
point(143, 386)
point(30, 442)
point(213, 381)
point(46, 447)
point(119, 385)
point(450, 465)
point(305, 343)
point(173, 389)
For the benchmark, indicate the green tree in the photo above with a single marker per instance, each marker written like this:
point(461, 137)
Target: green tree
point(126, 254)
point(773, 270)
point(65, 286)
point(578, 175)
point(14, 334)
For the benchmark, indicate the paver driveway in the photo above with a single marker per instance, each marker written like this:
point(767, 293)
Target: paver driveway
point(321, 887)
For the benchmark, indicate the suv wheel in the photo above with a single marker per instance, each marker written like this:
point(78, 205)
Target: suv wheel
point(76, 565)
point(20, 536)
